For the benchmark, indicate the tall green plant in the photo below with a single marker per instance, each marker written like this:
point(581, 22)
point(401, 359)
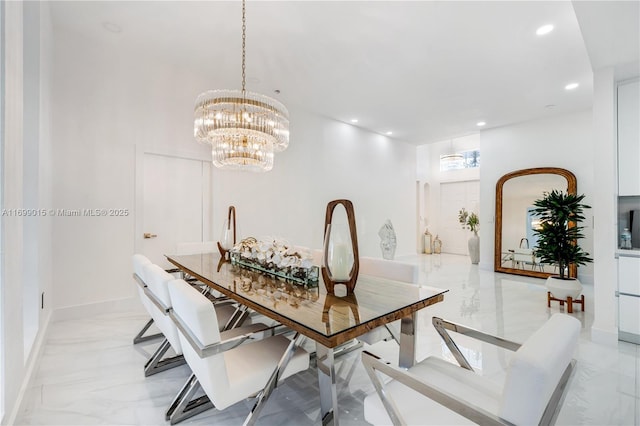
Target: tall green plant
point(560, 214)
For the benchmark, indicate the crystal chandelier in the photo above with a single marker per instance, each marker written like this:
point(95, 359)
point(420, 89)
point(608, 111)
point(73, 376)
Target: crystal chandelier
point(244, 128)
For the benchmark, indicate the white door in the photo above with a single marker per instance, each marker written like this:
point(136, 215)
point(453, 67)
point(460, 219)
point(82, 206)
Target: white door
point(453, 197)
point(175, 203)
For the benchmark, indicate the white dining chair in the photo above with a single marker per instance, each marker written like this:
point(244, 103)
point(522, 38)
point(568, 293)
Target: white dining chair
point(139, 262)
point(391, 270)
point(157, 292)
point(226, 371)
point(439, 392)
point(523, 257)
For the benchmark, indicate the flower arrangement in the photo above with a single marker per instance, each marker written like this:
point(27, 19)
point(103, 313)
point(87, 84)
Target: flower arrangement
point(469, 220)
point(277, 257)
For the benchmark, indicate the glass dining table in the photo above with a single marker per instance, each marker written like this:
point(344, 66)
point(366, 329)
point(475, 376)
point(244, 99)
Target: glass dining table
point(329, 320)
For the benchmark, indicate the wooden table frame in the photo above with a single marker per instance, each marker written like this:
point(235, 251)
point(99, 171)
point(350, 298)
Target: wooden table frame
point(221, 276)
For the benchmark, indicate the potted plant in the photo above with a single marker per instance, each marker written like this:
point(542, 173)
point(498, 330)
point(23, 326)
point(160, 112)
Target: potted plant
point(560, 216)
point(472, 222)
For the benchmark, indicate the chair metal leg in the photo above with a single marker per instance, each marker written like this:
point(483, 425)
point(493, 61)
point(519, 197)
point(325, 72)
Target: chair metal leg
point(264, 394)
point(238, 318)
point(156, 364)
point(183, 407)
point(140, 337)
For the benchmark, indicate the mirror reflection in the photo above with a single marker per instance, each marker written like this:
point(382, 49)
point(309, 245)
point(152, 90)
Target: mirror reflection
point(516, 241)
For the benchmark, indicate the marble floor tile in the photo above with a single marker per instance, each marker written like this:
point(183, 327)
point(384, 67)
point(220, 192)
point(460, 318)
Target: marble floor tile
point(90, 373)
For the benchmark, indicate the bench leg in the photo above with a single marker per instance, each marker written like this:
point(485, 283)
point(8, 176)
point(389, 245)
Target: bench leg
point(569, 305)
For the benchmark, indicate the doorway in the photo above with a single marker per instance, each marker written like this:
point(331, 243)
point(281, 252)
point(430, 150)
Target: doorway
point(173, 203)
point(453, 197)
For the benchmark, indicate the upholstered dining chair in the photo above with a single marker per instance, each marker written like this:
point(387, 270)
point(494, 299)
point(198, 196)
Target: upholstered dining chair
point(392, 270)
point(227, 371)
point(157, 292)
point(139, 262)
point(439, 392)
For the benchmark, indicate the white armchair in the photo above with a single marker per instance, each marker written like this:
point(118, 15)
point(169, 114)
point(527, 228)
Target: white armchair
point(157, 292)
point(435, 391)
point(392, 270)
point(227, 371)
point(139, 262)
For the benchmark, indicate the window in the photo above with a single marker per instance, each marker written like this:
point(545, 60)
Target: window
point(460, 160)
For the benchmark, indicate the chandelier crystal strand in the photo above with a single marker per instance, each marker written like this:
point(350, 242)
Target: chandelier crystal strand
point(244, 128)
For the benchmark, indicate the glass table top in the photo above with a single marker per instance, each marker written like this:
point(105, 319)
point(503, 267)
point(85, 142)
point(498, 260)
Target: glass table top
point(328, 319)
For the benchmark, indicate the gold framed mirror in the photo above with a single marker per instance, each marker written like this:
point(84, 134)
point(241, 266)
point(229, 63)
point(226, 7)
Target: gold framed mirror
point(515, 240)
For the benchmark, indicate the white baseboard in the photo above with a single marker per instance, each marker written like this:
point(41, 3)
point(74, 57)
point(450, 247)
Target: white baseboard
point(90, 309)
point(32, 362)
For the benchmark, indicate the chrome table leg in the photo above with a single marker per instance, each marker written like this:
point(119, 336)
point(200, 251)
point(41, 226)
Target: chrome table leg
point(408, 341)
point(327, 385)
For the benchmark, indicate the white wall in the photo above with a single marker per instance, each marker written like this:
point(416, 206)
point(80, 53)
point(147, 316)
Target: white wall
point(326, 160)
point(12, 239)
point(604, 329)
point(36, 168)
point(564, 141)
point(26, 164)
point(428, 171)
point(107, 100)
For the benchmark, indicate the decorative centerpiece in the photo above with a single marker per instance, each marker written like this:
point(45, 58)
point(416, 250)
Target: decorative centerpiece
point(279, 293)
point(388, 240)
point(278, 258)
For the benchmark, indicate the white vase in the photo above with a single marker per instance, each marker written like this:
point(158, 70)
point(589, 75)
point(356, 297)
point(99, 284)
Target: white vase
point(474, 248)
point(561, 289)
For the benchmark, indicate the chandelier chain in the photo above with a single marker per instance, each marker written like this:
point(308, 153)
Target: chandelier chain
point(244, 128)
point(244, 41)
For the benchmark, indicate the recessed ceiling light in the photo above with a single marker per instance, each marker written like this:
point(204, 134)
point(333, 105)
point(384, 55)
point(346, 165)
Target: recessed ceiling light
point(111, 27)
point(354, 120)
point(545, 29)
point(571, 86)
point(480, 123)
point(389, 133)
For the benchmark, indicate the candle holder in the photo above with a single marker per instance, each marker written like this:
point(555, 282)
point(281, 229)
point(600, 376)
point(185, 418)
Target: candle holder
point(228, 235)
point(340, 261)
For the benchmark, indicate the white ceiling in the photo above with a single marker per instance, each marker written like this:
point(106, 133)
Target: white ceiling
point(426, 70)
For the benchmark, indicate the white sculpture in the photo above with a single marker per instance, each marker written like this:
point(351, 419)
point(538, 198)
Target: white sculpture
point(387, 240)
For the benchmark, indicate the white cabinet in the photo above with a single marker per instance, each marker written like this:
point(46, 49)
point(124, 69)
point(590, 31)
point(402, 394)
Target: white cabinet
point(629, 298)
point(629, 138)
point(629, 326)
point(629, 275)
